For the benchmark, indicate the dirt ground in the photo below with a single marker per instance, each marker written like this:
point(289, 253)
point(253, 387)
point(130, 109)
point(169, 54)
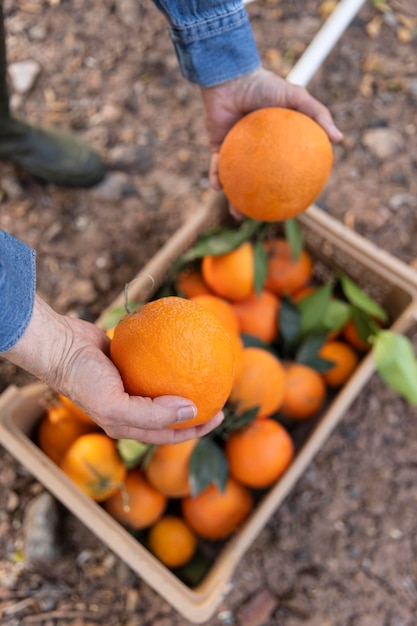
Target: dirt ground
point(341, 550)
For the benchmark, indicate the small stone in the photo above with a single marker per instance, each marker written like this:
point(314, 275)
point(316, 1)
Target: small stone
point(40, 526)
point(383, 142)
point(23, 75)
point(257, 610)
point(113, 188)
point(132, 158)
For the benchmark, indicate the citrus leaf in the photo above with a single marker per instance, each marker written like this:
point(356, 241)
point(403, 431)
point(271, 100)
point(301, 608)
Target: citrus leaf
point(364, 323)
point(250, 341)
point(208, 465)
point(234, 421)
point(395, 361)
point(313, 309)
point(289, 323)
point(337, 314)
point(131, 451)
point(114, 315)
point(261, 265)
point(221, 241)
point(356, 296)
point(307, 353)
point(193, 572)
point(294, 236)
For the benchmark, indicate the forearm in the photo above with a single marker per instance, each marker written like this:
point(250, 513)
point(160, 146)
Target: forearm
point(213, 39)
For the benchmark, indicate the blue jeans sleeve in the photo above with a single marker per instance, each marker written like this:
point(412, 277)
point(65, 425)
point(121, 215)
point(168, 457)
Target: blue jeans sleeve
point(17, 289)
point(213, 39)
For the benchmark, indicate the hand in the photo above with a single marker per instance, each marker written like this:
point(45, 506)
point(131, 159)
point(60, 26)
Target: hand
point(71, 357)
point(225, 104)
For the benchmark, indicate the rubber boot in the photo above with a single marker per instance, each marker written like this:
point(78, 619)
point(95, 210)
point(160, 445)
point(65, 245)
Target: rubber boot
point(52, 155)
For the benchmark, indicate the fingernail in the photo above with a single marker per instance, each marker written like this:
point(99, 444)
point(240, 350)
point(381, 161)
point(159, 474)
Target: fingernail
point(188, 412)
point(336, 133)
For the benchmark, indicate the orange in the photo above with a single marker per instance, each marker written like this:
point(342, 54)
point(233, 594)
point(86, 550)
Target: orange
point(239, 351)
point(93, 463)
point(138, 504)
point(305, 392)
point(190, 283)
point(260, 453)
point(258, 315)
point(302, 293)
point(58, 429)
point(168, 468)
point(221, 308)
point(215, 514)
point(174, 346)
point(345, 362)
point(351, 335)
point(285, 274)
point(273, 163)
point(261, 383)
point(75, 410)
point(231, 275)
point(172, 541)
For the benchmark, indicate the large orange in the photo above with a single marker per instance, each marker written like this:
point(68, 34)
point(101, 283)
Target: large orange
point(232, 274)
point(168, 468)
point(274, 162)
point(215, 514)
point(286, 274)
point(260, 453)
point(173, 346)
point(305, 392)
point(345, 361)
point(258, 315)
point(93, 463)
point(261, 383)
point(138, 504)
point(172, 541)
point(58, 429)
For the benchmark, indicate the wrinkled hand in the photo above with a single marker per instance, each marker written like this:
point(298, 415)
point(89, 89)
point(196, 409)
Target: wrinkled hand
point(226, 103)
point(71, 357)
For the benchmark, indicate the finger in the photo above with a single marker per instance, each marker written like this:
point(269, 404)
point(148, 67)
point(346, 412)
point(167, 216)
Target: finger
point(167, 435)
point(214, 172)
point(305, 103)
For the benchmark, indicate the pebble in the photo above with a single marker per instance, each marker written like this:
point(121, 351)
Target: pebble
point(23, 75)
point(132, 158)
point(114, 187)
point(258, 609)
point(383, 142)
point(40, 530)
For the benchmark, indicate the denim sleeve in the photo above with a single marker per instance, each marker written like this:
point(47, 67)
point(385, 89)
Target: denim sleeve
point(213, 39)
point(17, 289)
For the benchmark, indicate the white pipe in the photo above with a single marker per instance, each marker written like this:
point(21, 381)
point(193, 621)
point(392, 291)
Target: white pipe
point(323, 42)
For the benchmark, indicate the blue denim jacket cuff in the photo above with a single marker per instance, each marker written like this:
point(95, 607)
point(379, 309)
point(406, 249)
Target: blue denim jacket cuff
point(17, 289)
point(216, 50)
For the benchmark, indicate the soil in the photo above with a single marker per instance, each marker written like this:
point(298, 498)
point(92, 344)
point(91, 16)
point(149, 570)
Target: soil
point(341, 549)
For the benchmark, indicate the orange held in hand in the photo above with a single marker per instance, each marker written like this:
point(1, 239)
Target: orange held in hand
point(173, 346)
point(273, 163)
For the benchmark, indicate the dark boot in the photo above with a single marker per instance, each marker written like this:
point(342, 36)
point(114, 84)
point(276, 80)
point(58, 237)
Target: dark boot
point(54, 156)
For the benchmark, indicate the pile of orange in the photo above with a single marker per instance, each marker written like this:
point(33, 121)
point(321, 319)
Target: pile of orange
point(214, 342)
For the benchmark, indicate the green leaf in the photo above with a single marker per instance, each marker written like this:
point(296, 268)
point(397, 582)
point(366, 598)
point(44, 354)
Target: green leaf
point(356, 296)
point(114, 315)
point(314, 308)
point(131, 451)
point(221, 240)
point(337, 314)
point(193, 572)
point(294, 236)
point(234, 421)
point(395, 361)
point(261, 265)
point(289, 322)
point(364, 323)
point(307, 353)
point(208, 465)
point(250, 341)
